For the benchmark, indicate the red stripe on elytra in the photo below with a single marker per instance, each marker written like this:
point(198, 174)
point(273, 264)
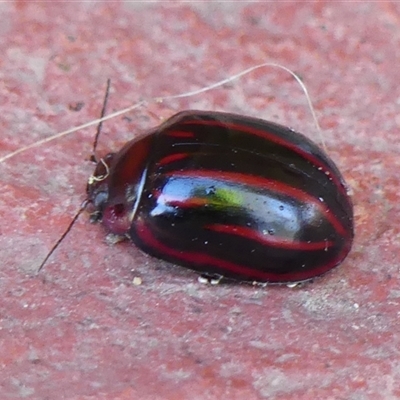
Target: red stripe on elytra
point(269, 240)
point(145, 234)
point(269, 184)
point(273, 138)
point(181, 134)
point(189, 202)
point(172, 158)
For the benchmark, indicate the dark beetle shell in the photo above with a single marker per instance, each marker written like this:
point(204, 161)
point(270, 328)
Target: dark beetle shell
point(226, 194)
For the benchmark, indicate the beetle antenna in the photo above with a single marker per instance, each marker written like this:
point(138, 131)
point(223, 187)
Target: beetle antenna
point(103, 112)
point(61, 238)
point(93, 158)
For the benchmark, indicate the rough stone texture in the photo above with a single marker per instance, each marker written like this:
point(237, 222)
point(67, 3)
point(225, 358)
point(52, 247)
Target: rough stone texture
point(81, 329)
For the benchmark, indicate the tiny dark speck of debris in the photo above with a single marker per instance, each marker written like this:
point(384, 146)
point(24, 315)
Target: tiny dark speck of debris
point(76, 106)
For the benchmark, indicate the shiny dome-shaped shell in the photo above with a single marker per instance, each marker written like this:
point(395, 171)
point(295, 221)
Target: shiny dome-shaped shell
point(231, 195)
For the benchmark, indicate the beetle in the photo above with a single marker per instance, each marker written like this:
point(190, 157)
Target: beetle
point(227, 195)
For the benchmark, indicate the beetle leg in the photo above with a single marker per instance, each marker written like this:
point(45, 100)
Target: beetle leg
point(212, 279)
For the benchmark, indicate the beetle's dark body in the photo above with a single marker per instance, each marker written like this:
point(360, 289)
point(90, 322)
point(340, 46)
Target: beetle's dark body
point(230, 195)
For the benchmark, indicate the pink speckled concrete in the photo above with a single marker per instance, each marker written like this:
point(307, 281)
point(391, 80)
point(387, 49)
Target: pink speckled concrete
point(81, 329)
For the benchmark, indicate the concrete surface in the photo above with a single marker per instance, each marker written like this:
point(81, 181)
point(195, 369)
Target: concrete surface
point(81, 329)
